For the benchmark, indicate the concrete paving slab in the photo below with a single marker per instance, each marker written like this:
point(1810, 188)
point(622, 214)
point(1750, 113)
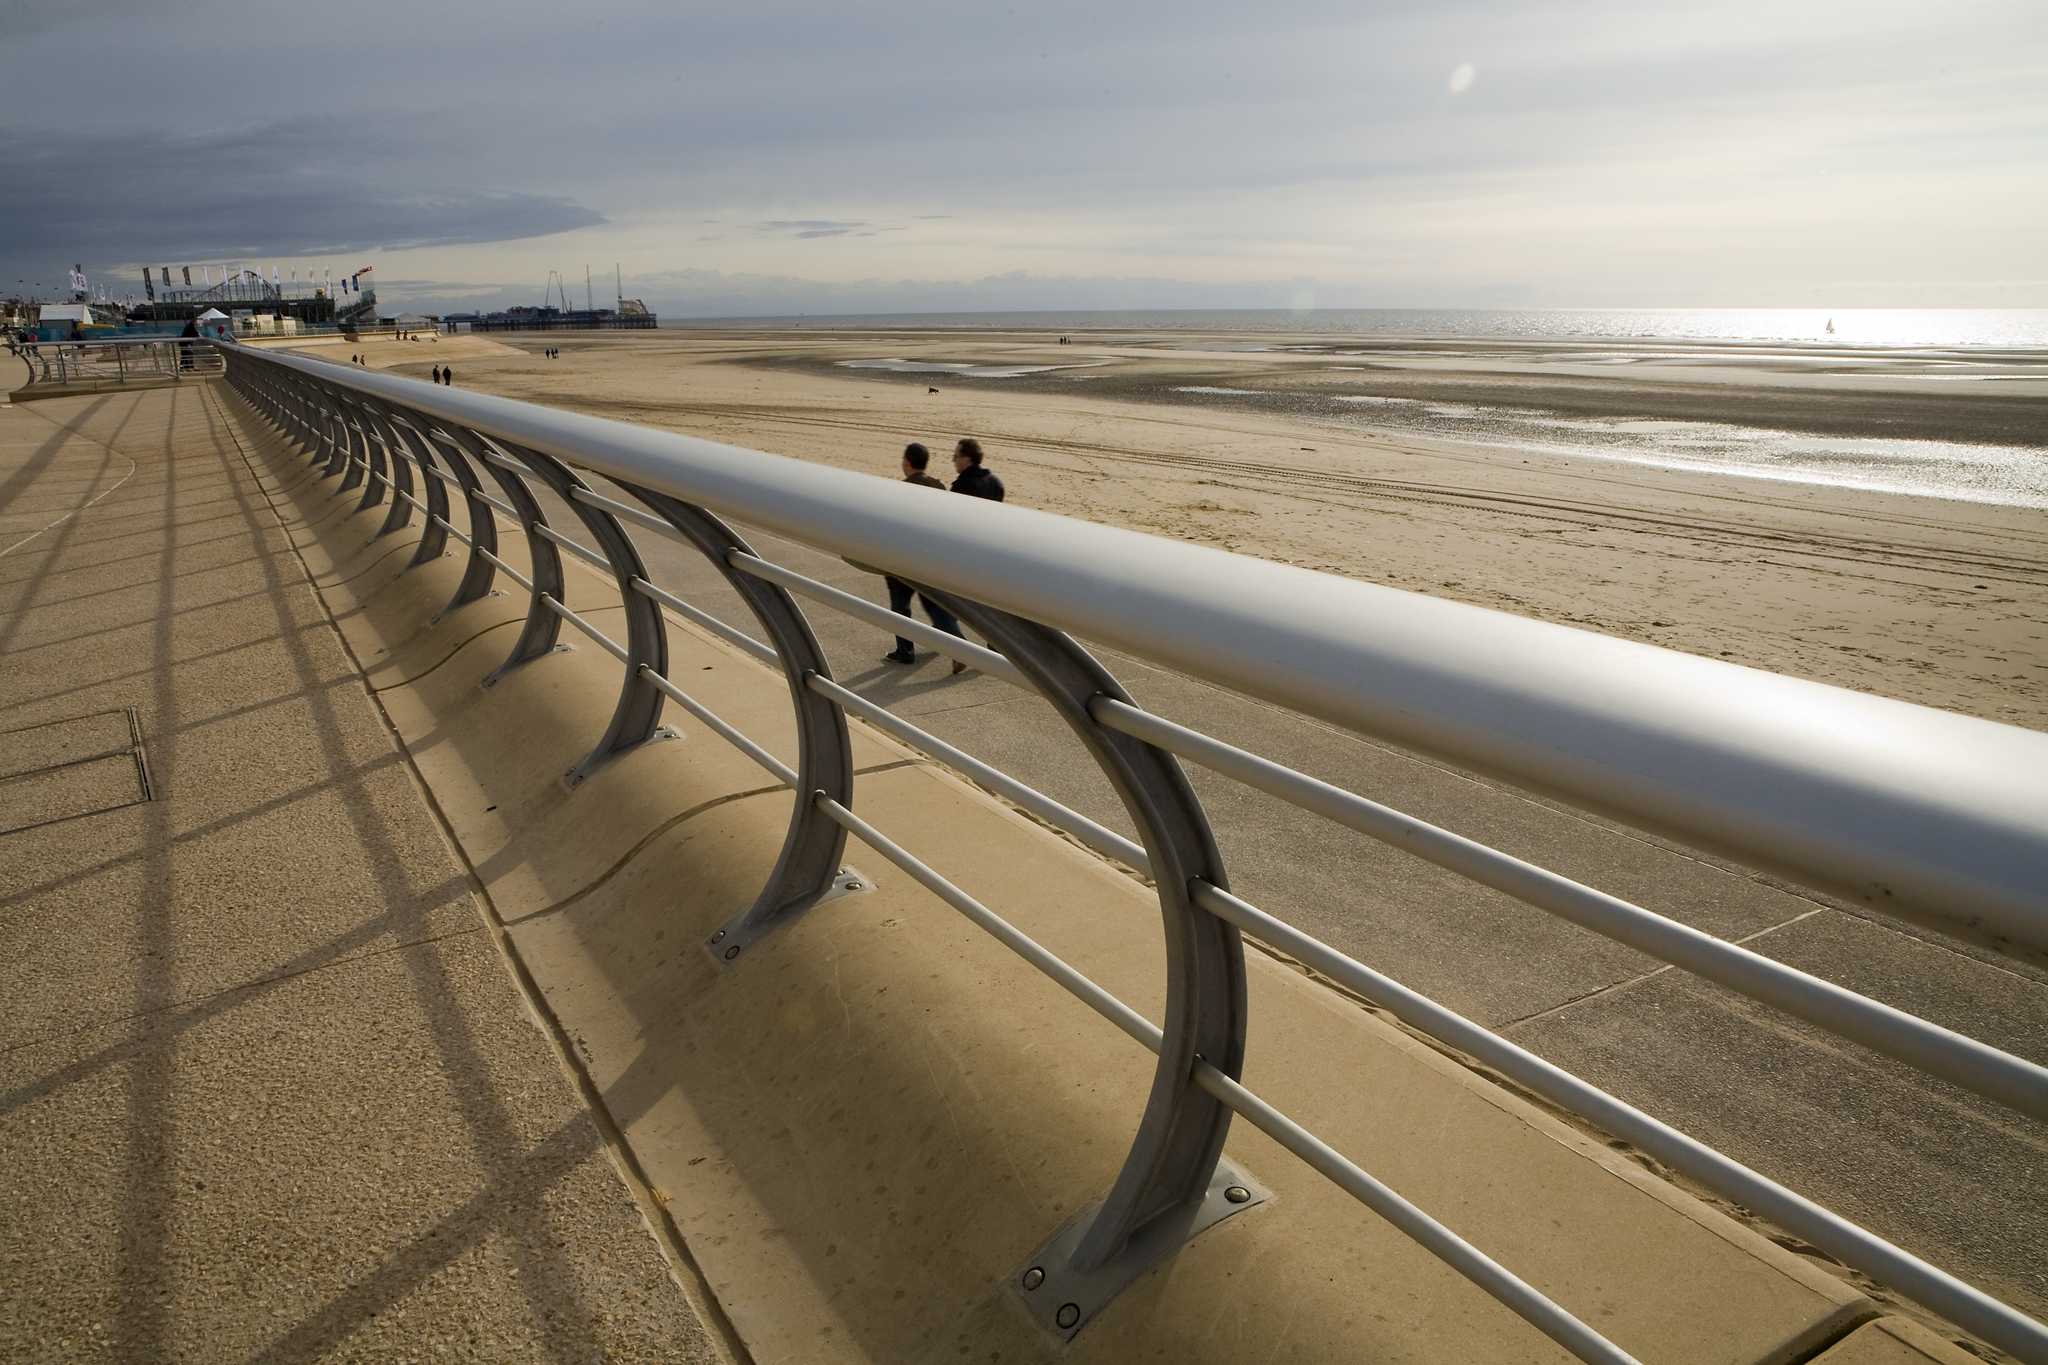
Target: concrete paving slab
point(70, 792)
point(268, 1090)
point(70, 740)
point(352, 1163)
point(1909, 1157)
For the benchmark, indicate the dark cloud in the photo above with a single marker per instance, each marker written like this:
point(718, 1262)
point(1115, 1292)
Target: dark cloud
point(300, 188)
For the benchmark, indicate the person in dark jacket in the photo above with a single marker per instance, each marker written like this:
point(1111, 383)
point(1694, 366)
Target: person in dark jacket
point(447, 374)
point(915, 460)
point(974, 480)
point(437, 374)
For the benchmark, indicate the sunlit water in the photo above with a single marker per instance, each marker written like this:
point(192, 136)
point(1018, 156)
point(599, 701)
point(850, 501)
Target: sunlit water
point(1962, 470)
point(963, 369)
point(1983, 327)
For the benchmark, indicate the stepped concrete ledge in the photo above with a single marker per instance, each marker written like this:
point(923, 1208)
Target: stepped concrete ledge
point(353, 1033)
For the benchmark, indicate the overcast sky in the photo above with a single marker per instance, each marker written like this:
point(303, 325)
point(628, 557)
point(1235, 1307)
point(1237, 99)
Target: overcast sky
point(880, 155)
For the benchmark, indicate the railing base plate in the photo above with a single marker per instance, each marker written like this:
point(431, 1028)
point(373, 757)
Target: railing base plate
point(1063, 1300)
point(573, 779)
point(736, 936)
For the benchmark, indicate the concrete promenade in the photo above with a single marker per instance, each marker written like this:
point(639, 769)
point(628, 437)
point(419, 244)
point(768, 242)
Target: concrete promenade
point(337, 1029)
point(267, 1088)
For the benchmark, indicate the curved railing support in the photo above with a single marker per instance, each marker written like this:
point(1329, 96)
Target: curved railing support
point(379, 477)
point(543, 628)
point(405, 428)
point(637, 717)
point(1173, 1183)
point(398, 471)
point(480, 573)
point(809, 869)
point(351, 456)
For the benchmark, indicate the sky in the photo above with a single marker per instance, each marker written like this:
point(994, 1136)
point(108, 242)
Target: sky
point(819, 156)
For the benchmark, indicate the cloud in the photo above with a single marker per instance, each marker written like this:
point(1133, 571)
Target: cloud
point(290, 189)
point(1602, 150)
point(813, 227)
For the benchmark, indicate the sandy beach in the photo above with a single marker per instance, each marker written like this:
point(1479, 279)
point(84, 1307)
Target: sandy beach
point(1933, 600)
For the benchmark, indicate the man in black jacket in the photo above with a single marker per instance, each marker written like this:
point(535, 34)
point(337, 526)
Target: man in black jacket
point(974, 480)
point(915, 460)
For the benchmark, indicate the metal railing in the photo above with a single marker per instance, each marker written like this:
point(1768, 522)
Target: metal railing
point(119, 361)
point(1921, 813)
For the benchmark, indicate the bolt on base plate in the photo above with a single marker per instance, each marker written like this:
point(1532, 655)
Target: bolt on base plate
point(1063, 1300)
point(737, 936)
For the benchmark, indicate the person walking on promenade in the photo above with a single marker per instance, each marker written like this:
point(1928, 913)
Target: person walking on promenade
point(437, 374)
point(974, 480)
point(915, 461)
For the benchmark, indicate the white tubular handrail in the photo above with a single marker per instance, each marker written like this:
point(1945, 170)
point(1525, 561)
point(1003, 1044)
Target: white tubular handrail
point(1916, 812)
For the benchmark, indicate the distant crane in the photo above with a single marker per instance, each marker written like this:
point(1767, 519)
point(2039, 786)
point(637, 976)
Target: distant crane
point(556, 285)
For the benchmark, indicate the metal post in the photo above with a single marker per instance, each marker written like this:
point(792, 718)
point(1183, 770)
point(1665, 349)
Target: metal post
point(379, 478)
point(399, 471)
point(1173, 1183)
point(637, 718)
point(483, 527)
point(809, 869)
point(403, 427)
point(543, 628)
point(348, 458)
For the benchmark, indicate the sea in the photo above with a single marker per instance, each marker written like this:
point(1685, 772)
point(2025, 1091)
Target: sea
point(1965, 347)
point(2015, 328)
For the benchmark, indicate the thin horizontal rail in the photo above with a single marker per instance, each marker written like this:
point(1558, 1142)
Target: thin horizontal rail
point(759, 649)
point(602, 640)
point(590, 497)
point(1102, 839)
point(1004, 932)
point(493, 500)
point(517, 577)
point(442, 522)
point(1525, 1301)
point(987, 660)
point(574, 547)
point(1929, 1047)
point(1961, 1303)
point(725, 730)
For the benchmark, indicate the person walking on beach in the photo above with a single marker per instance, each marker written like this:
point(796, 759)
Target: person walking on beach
point(437, 374)
point(974, 480)
point(915, 461)
point(447, 374)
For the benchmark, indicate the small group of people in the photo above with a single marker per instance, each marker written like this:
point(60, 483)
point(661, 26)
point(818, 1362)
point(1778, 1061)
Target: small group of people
point(970, 476)
point(552, 352)
point(444, 374)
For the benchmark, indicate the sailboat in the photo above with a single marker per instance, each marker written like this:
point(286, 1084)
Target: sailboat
point(1831, 326)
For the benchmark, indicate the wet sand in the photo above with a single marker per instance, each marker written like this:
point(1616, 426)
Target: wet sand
point(1933, 600)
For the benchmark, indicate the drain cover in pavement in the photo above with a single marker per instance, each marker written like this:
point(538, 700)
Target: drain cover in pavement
point(68, 768)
